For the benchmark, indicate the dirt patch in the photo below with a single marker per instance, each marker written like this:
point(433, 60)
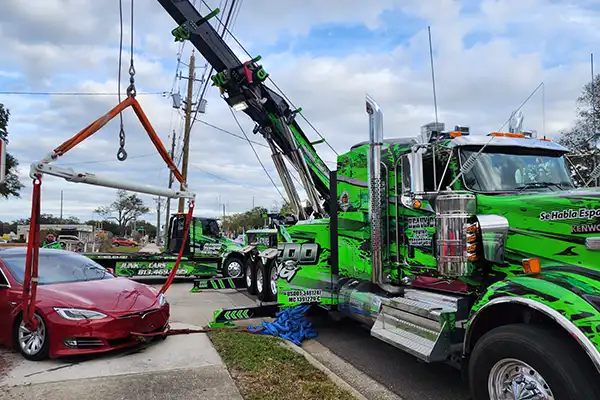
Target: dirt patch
point(8, 358)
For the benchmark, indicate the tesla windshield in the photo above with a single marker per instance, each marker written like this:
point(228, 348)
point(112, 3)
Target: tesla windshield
point(58, 268)
point(505, 169)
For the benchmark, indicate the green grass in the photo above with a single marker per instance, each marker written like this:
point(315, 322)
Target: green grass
point(124, 249)
point(264, 369)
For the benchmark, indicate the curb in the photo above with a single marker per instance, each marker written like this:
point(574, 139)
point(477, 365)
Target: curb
point(336, 379)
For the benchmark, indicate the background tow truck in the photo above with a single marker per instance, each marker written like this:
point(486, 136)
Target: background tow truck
point(206, 253)
point(471, 249)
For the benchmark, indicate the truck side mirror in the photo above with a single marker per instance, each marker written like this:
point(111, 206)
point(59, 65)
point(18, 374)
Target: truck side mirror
point(412, 176)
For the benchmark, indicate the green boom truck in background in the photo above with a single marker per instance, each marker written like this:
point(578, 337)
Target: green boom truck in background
point(475, 250)
point(206, 253)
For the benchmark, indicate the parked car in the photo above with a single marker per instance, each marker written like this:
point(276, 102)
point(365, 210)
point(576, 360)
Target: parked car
point(70, 242)
point(120, 241)
point(81, 307)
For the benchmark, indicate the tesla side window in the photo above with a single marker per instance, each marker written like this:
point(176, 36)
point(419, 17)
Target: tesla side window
point(3, 280)
point(58, 268)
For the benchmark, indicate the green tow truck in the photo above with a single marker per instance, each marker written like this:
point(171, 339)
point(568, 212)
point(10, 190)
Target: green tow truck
point(206, 253)
point(473, 250)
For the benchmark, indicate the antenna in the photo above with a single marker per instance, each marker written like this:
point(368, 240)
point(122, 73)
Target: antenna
point(432, 75)
point(544, 109)
point(594, 127)
point(434, 106)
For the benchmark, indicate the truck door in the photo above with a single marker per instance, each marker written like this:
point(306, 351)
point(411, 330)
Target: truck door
point(416, 215)
point(177, 232)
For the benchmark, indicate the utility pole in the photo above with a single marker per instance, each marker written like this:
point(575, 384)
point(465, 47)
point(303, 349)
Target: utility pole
point(188, 125)
point(158, 238)
point(61, 206)
point(168, 213)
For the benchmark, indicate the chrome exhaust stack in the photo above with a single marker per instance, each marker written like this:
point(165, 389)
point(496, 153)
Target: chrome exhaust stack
point(374, 171)
point(375, 196)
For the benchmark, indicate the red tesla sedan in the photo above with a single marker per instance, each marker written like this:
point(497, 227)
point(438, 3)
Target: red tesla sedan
point(81, 308)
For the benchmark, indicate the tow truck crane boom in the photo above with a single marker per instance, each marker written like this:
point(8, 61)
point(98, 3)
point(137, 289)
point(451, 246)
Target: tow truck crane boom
point(243, 83)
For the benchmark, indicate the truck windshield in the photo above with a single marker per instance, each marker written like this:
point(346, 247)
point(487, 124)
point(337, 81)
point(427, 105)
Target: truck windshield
point(501, 169)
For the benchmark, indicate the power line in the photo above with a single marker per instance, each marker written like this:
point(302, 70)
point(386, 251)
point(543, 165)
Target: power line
point(228, 181)
point(256, 154)
point(75, 93)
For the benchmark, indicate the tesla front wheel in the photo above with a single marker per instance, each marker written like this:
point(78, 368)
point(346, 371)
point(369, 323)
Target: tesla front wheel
point(523, 361)
point(33, 345)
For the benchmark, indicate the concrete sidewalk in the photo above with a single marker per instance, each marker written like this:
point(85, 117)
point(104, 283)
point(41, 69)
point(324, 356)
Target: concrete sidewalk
point(181, 367)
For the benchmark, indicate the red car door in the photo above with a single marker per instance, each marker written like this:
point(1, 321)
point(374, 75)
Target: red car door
point(6, 306)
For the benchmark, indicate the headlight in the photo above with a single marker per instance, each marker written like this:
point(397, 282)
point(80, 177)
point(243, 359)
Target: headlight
point(162, 300)
point(77, 314)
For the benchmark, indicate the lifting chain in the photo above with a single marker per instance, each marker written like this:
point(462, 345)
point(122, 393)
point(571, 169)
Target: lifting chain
point(121, 154)
point(131, 92)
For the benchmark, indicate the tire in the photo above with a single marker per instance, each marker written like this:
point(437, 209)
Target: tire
point(266, 292)
point(116, 245)
point(233, 267)
point(42, 350)
point(250, 276)
point(552, 365)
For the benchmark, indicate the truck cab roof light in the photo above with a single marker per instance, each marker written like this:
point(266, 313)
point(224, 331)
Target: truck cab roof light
point(497, 134)
point(514, 135)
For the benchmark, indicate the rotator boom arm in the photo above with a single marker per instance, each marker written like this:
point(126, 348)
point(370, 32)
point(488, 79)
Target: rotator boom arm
point(242, 86)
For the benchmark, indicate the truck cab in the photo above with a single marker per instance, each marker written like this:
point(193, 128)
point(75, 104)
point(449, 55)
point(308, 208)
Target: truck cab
point(205, 243)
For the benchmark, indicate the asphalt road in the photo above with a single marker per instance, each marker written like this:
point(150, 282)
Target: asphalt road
point(402, 373)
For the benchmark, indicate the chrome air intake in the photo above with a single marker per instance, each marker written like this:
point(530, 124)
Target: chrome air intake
point(374, 171)
point(454, 214)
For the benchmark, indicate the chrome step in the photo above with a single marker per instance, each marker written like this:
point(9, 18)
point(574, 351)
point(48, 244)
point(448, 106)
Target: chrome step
point(419, 323)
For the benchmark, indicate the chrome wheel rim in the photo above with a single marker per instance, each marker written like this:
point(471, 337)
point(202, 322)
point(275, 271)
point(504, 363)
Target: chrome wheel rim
point(512, 379)
point(274, 280)
point(234, 269)
point(259, 280)
point(31, 342)
point(248, 275)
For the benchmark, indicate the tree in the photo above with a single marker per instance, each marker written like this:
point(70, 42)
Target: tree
point(12, 185)
point(236, 223)
point(287, 208)
point(127, 207)
point(581, 137)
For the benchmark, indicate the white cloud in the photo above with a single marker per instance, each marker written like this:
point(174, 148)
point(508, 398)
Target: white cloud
point(477, 86)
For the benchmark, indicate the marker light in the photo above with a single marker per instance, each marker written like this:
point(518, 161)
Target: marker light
point(532, 265)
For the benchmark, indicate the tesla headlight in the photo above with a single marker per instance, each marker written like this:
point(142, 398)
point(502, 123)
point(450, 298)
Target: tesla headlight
point(162, 300)
point(78, 314)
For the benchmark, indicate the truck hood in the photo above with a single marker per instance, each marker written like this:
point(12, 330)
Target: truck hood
point(552, 226)
point(112, 296)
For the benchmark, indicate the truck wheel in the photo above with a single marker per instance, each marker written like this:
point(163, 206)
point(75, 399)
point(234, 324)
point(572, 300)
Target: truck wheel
point(527, 361)
point(264, 281)
point(233, 268)
point(250, 275)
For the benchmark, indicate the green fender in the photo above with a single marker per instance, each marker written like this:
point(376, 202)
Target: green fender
point(565, 294)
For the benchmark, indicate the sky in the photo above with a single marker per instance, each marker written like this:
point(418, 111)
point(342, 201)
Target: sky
point(489, 57)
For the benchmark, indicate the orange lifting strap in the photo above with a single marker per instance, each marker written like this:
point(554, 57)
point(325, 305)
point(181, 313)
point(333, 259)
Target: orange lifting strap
point(31, 263)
